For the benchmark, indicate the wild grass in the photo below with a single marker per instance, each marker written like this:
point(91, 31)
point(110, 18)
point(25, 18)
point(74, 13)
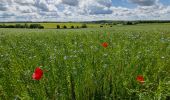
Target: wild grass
point(79, 68)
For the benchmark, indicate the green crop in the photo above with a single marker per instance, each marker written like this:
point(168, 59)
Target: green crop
point(78, 67)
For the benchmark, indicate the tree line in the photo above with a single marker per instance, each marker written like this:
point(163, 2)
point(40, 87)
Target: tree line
point(72, 26)
point(31, 26)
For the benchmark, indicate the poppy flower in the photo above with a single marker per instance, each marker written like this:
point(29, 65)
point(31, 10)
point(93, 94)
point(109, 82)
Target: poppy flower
point(140, 79)
point(105, 44)
point(38, 73)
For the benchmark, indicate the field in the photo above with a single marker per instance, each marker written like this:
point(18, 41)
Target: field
point(77, 67)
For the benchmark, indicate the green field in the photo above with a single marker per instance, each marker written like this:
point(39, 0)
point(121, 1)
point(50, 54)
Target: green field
point(78, 67)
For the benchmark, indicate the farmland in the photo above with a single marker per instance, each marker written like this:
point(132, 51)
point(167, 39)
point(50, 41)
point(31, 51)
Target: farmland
point(77, 67)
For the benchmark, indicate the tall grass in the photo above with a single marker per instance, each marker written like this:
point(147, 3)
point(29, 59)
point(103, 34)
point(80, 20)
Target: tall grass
point(79, 68)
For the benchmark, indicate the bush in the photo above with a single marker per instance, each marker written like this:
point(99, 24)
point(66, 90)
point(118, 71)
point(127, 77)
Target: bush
point(33, 26)
point(84, 26)
point(58, 26)
point(101, 25)
point(17, 26)
point(65, 26)
point(7, 26)
point(26, 25)
point(10, 26)
point(41, 27)
point(72, 26)
point(129, 23)
point(22, 26)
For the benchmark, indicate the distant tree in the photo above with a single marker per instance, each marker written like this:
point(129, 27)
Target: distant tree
point(3, 26)
point(65, 26)
point(114, 23)
point(135, 22)
point(17, 26)
point(41, 27)
point(26, 25)
point(84, 26)
point(77, 26)
point(10, 26)
point(129, 23)
point(58, 26)
point(22, 26)
point(72, 26)
point(32, 26)
point(111, 26)
point(101, 25)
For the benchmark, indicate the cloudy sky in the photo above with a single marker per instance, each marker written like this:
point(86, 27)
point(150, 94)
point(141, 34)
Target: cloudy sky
point(83, 10)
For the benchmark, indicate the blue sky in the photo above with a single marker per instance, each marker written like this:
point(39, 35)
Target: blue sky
point(123, 3)
point(83, 10)
point(165, 2)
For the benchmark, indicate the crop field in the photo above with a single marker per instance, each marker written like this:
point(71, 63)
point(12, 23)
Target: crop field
point(118, 63)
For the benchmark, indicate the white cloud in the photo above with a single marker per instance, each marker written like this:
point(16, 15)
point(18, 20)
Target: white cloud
point(94, 7)
point(144, 2)
point(25, 2)
point(70, 2)
point(79, 10)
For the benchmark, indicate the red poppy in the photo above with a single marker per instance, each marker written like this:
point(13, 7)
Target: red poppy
point(140, 79)
point(105, 44)
point(38, 73)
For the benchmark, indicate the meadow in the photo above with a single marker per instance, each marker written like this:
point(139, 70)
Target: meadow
point(77, 67)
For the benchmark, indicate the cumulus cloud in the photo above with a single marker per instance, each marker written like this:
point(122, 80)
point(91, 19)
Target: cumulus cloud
point(95, 7)
point(6, 15)
point(25, 2)
point(3, 7)
point(144, 2)
point(70, 2)
point(79, 10)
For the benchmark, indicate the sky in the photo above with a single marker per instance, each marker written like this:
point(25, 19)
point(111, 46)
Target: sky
point(83, 10)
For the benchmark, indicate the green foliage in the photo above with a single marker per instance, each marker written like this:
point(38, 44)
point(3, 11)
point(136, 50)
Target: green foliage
point(84, 26)
point(64, 26)
point(79, 68)
point(34, 26)
point(72, 26)
point(58, 26)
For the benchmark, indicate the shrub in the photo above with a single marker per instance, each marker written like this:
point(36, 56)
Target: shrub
point(26, 25)
point(65, 26)
point(72, 26)
point(10, 26)
point(58, 26)
point(32, 26)
point(84, 26)
point(41, 27)
point(17, 26)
